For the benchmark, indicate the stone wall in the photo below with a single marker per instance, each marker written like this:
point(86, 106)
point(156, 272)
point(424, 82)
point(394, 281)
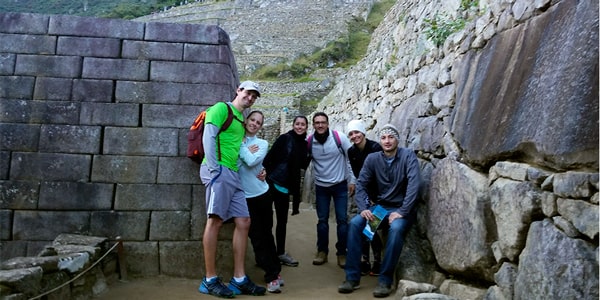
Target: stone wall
point(93, 121)
point(504, 118)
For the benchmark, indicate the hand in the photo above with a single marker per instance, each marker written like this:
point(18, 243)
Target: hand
point(351, 188)
point(262, 175)
point(367, 214)
point(253, 148)
point(393, 216)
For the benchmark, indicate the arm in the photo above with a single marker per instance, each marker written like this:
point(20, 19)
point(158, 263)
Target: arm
point(413, 175)
point(209, 140)
point(251, 158)
point(366, 175)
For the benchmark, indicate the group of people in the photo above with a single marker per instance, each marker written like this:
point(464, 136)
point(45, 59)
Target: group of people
point(248, 179)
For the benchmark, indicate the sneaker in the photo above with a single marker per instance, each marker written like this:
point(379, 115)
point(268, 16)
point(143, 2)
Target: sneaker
point(274, 287)
point(246, 287)
point(341, 259)
point(215, 287)
point(287, 260)
point(348, 287)
point(375, 268)
point(281, 282)
point(320, 258)
point(382, 290)
point(365, 268)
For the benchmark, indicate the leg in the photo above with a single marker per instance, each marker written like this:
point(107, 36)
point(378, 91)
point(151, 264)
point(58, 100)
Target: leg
point(282, 206)
point(340, 201)
point(395, 240)
point(209, 242)
point(261, 236)
point(322, 199)
point(355, 238)
point(240, 242)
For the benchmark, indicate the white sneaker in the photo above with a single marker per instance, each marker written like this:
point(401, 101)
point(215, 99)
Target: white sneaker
point(274, 287)
point(281, 282)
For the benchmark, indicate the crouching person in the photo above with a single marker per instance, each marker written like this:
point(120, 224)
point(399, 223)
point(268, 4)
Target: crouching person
point(396, 173)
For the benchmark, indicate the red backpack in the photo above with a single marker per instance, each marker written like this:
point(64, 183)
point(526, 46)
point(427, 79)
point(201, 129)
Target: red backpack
point(195, 149)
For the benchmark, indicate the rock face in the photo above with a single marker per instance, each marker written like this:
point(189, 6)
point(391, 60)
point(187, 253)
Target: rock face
point(504, 117)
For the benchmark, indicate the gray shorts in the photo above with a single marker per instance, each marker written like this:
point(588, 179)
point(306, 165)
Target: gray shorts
point(224, 195)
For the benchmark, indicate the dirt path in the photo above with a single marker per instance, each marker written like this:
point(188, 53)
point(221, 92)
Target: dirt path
point(303, 282)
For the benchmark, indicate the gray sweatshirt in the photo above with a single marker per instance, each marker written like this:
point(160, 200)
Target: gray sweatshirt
point(330, 166)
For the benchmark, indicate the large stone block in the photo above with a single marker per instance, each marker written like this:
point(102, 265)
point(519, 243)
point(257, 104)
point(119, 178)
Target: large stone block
point(28, 43)
point(15, 87)
point(86, 46)
point(198, 213)
point(547, 64)
point(180, 116)
point(191, 72)
point(5, 225)
point(178, 170)
point(109, 68)
point(19, 137)
point(20, 195)
point(152, 197)
point(130, 225)
point(110, 114)
point(75, 196)
point(171, 92)
point(49, 66)
point(124, 169)
point(169, 226)
point(142, 258)
point(152, 50)
point(34, 225)
point(23, 23)
point(140, 141)
point(186, 259)
point(554, 266)
point(50, 166)
point(208, 54)
point(70, 139)
point(51, 88)
point(95, 27)
point(188, 33)
point(4, 163)
point(10, 249)
point(90, 90)
point(7, 63)
point(39, 112)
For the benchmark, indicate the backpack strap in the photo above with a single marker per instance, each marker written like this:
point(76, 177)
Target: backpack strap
point(225, 126)
point(336, 138)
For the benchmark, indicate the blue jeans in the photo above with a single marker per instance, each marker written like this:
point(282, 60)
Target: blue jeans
point(323, 195)
point(396, 232)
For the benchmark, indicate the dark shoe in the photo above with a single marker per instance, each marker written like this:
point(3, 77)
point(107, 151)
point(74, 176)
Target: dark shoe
point(320, 258)
point(246, 287)
point(341, 261)
point(348, 286)
point(382, 290)
point(286, 259)
point(375, 268)
point(365, 268)
point(215, 287)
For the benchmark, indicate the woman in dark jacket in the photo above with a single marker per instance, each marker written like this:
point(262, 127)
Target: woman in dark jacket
point(283, 163)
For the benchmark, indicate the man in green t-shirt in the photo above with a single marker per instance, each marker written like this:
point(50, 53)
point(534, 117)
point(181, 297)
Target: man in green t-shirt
point(224, 195)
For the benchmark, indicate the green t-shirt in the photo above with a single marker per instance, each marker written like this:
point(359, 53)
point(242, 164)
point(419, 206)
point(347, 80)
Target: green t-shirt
point(230, 139)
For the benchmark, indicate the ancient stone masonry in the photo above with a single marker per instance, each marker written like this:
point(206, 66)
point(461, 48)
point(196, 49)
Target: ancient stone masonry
point(504, 118)
point(93, 121)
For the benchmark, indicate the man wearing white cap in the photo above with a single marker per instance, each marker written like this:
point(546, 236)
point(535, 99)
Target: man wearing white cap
point(357, 154)
point(397, 175)
point(225, 197)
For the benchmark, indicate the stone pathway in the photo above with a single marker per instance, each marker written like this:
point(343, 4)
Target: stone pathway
point(303, 282)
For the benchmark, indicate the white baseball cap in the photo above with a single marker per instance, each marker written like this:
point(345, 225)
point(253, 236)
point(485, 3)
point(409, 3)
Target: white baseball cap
point(250, 85)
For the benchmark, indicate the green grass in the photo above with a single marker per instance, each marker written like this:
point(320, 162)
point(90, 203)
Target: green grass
point(344, 52)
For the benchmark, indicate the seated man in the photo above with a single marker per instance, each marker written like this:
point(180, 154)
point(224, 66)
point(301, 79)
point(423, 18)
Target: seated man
point(397, 175)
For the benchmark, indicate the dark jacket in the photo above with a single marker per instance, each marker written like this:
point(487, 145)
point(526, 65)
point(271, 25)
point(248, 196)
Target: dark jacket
point(285, 159)
point(357, 159)
point(397, 183)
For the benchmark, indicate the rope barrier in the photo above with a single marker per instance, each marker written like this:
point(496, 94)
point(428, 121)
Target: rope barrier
point(119, 242)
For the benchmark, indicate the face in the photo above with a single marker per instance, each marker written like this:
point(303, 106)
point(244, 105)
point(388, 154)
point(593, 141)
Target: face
point(388, 142)
point(300, 126)
point(320, 124)
point(254, 123)
point(356, 137)
point(247, 97)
